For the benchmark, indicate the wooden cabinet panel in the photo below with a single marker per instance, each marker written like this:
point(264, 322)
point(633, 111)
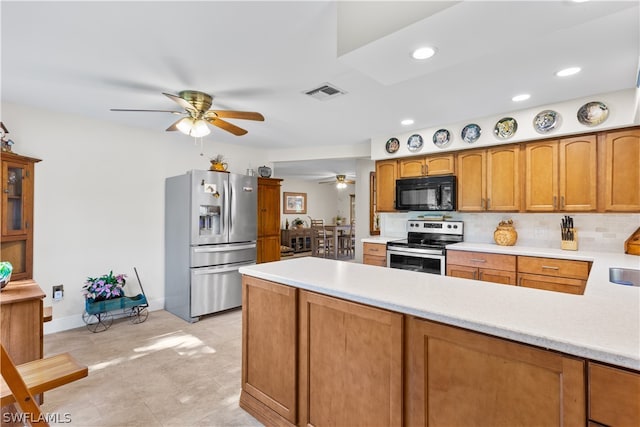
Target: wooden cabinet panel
point(350, 363)
point(462, 271)
point(411, 167)
point(503, 179)
point(550, 283)
point(454, 376)
point(622, 171)
point(578, 174)
point(554, 267)
point(497, 276)
point(614, 396)
point(489, 180)
point(374, 254)
point(440, 164)
point(269, 348)
point(541, 176)
point(268, 244)
point(472, 172)
point(386, 175)
point(482, 260)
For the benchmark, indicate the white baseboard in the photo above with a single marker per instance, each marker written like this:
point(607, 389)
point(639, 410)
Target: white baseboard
point(59, 324)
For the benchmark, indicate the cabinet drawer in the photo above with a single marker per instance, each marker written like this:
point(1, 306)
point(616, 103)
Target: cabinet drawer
point(482, 260)
point(374, 260)
point(550, 283)
point(554, 267)
point(375, 249)
point(614, 396)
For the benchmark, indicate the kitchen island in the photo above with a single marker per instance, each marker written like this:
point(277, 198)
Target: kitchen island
point(406, 325)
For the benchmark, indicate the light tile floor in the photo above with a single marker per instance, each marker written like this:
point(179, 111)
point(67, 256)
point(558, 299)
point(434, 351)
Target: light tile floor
point(163, 372)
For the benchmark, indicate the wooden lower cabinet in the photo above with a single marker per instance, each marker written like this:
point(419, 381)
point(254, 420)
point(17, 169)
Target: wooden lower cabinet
point(559, 275)
point(455, 377)
point(374, 254)
point(350, 363)
point(496, 268)
point(614, 396)
point(269, 351)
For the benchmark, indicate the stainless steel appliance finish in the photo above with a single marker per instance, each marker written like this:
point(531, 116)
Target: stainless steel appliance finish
point(210, 232)
point(424, 248)
point(432, 193)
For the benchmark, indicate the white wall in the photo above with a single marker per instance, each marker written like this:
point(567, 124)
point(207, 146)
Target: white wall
point(99, 199)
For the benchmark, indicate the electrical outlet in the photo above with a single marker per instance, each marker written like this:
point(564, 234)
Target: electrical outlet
point(58, 292)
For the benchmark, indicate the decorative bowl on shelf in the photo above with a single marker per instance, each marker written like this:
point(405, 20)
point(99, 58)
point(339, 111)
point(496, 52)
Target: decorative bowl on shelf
point(505, 234)
point(5, 273)
point(264, 171)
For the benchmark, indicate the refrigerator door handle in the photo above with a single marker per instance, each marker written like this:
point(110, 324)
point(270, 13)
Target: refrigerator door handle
point(230, 209)
point(224, 248)
point(218, 270)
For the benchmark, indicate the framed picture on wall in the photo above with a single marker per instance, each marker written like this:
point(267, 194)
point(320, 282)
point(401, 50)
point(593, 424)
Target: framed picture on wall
point(294, 203)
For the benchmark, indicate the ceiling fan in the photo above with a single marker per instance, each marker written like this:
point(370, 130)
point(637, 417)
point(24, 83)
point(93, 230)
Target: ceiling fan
point(197, 114)
point(341, 181)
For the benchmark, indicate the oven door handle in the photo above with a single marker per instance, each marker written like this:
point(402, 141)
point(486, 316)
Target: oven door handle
point(404, 251)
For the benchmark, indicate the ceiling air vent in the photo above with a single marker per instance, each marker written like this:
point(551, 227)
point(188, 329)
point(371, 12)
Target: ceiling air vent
point(326, 91)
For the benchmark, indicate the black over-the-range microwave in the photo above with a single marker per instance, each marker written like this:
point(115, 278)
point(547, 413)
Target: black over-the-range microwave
point(431, 193)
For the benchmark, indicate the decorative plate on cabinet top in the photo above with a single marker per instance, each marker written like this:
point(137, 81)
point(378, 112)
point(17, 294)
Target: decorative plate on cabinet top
point(441, 138)
point(471, 133)
point(505, 128)
point(414, 143)
point(593, 113)
point(393, 144)
point(545, 121)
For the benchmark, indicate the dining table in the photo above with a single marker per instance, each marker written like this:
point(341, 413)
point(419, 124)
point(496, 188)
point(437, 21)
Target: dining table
point(334, 231)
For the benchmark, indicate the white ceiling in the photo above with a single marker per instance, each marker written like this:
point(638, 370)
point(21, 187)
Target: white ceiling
point(87, 57)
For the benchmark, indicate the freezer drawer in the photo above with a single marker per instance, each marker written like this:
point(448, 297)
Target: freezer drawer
point(207, 255)
point(215, 289)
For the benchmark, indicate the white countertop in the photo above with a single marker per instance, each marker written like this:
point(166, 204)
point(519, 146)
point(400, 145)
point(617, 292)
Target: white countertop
point(603, 324)
point(380, 239)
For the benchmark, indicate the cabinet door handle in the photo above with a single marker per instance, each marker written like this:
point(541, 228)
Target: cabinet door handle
point(477, 275)
point(551, 267)
point(562, 202)
point(488, 203)
point(481, 203)
point(477, 260)
point(555, 201)
point(426, 169)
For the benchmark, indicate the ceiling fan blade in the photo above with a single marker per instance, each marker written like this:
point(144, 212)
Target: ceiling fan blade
point(245, 115)
point(181, 102)
point(327, 182)
point(148, 111)
point(226, 126)
point(349, 181)
point(174, 126)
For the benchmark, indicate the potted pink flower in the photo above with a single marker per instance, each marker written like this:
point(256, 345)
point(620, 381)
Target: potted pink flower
point(105, 287)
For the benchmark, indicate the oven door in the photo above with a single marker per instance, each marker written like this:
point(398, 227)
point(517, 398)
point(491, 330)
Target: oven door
point(416, 260)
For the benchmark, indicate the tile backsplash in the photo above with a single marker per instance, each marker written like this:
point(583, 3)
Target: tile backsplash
point(596, 232)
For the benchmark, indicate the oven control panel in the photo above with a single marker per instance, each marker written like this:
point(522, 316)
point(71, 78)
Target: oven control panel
point(435, 227)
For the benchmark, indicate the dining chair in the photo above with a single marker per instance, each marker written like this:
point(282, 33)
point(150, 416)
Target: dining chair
point(318, 240)
point(347, 241)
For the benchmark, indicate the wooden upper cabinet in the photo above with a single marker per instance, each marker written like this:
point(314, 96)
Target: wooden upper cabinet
point(561, 175)
point(622, 171)
point(541, 176)
point(386, 175)
point(503, 178)
point(577, 173)
point(472, 186)
point(489, 180)
point(413, 167)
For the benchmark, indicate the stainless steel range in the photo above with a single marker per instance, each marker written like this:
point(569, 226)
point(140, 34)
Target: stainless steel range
point(424, 248)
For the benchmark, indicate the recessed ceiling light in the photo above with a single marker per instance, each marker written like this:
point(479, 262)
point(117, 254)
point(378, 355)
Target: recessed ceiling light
point(568, 71)
point(521, 97)
point(579, 1)
point(406, 122)
point(423, 53)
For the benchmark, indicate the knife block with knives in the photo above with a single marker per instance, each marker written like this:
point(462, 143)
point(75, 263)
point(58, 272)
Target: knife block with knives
point(569, 235)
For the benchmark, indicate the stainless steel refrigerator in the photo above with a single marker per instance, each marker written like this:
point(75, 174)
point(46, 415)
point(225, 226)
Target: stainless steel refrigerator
point(210, 232)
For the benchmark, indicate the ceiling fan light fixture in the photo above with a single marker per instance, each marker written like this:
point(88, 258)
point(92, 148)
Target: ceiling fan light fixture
point(192, 127)
point(341, 185)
